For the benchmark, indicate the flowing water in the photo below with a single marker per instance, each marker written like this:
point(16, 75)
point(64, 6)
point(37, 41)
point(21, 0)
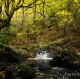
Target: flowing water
point(44, 55)
point(57, 73)
point(54, 72)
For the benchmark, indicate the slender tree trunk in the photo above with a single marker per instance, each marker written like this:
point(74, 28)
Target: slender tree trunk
point(43, 1)
point(34, 11)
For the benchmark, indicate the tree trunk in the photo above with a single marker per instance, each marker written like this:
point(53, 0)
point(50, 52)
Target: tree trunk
point(5, 23)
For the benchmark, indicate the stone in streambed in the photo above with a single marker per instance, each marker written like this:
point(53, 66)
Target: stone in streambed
point(44, 66)
point(66, 60)
point(26, 72)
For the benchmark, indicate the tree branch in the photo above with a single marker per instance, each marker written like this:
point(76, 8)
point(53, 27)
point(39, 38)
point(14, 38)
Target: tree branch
point(6, 22)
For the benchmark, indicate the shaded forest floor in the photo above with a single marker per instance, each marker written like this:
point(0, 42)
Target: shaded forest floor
point(56, 43)
point(51, 39)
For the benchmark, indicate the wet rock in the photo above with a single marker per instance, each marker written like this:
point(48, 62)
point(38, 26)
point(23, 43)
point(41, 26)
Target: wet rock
point(8, 73)
point(7, 54)
point(25, 72)
point(60, 62)
point(18, 78)
point(44, 66)
point(66, 60)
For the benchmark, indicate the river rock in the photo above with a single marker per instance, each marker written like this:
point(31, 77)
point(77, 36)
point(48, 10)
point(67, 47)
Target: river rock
point(26, 72)
point(44, 66)
point(8, 54)
point(65, 60)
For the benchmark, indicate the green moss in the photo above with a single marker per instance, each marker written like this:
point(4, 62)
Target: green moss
point(73, 56)
point(20, 56)
point(25, 71)
point(10, 55)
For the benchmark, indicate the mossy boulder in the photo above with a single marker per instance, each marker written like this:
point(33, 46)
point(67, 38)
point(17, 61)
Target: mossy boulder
point(25, 72)
point(66, 59)
point(9, 55)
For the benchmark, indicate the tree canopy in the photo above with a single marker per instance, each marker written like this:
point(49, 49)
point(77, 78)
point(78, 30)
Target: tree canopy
point(32, 18)
point(7, 9)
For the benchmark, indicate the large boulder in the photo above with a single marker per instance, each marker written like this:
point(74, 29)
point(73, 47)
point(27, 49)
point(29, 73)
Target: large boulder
point(26, 72)
point(44, 66)
point(7, 54)
point(66, 59)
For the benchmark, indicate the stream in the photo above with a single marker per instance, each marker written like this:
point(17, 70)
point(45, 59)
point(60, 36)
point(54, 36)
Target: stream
point(54, 72)
point(57, 73)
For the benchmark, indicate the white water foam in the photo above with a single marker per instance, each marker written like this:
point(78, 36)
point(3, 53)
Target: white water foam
point(42, 56)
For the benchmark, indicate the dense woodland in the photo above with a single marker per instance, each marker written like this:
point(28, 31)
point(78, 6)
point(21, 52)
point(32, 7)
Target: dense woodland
point(36, 24)
point(29, 25)
point(39, 23)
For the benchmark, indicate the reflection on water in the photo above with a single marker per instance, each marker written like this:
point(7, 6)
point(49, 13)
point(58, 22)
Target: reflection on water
point(57, 73)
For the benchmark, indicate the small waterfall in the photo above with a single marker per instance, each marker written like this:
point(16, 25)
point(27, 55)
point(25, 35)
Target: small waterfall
point(42, 55)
